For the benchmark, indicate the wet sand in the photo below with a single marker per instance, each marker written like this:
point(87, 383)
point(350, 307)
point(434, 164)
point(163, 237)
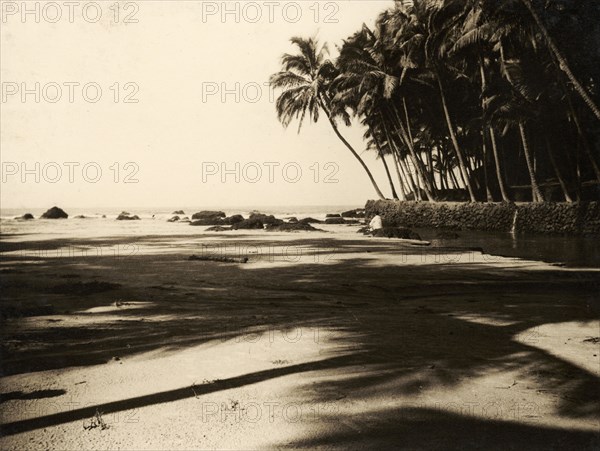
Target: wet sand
point(327, 340)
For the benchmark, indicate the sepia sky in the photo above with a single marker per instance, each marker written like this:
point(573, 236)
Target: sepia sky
point(179, 135)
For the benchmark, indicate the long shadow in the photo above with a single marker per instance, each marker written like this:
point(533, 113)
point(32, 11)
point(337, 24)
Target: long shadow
point(170, 395)
point(38, 394)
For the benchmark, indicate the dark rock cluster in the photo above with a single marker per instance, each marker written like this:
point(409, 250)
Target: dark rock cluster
point(26, 217)
point(126, 216)
point(55, 213)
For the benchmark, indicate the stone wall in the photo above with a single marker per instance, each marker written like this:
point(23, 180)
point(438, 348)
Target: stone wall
point(568, 218)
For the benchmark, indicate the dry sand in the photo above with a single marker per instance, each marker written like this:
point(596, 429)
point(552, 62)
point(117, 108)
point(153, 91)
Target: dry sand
point(321, 340)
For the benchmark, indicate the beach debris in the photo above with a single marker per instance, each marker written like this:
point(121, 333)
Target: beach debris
point(218, 258)
point(280, 362)
point(593, 340)
point(193, 387)
point(96, 422)
point(55, 213)
point(510, 386)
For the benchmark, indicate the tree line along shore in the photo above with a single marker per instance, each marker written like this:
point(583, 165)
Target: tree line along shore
point(462, 100)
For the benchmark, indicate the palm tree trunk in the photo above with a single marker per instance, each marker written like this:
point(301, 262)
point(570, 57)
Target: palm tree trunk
point(411, 187)
point(411, 154)
point(403, 190)
point(499, 176)
point(586, 145)
point(488, 193)
point(357, 156)
point(420, 171)
point(492, 134)
point(351, 149)
point(461, 160)
point(408, 174)
point(561, 181)
point(429, 173)
point(535, 189)
point(562, 62)
point(454, 179)
point(387, 170)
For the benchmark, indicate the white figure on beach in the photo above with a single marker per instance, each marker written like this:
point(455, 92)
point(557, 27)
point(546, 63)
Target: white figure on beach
point(376, 223)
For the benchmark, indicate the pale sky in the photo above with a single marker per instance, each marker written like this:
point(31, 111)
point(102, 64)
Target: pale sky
point(175, 56)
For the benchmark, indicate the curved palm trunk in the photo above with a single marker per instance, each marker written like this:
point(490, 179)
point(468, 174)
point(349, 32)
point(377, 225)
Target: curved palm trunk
point(408, 175)
point(562, 62)
point(535, 189)
point(586, 146)
point(351, 149)
point(413, 155)
point(499, 176)
point(559, 176)
point(492, 134)
point(428, 173)
point(411, 186)
point(389, 176)
point(403, 190)
point(488, 193)
point(461, 161)
point(387, 170)
point(357, 156)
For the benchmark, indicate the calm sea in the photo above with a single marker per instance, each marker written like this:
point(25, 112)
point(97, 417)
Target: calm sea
point(100, 222)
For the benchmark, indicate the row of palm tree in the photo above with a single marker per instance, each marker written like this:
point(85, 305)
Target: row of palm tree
point(462, 99)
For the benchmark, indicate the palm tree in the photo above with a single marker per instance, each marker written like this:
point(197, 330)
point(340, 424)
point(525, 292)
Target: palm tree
point(422, 37)
point(475, 42)
point(366, 84)
point(304, 80)
point(409, 81)
point(562, 61)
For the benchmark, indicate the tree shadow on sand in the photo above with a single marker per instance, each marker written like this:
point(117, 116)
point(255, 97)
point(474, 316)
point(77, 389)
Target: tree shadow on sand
point(399, 318)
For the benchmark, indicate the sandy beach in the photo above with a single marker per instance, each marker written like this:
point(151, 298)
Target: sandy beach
point(321, 340)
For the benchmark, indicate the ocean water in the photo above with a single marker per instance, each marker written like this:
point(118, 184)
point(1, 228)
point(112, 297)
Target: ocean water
point(567, 250)
point(101, 222)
